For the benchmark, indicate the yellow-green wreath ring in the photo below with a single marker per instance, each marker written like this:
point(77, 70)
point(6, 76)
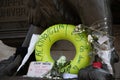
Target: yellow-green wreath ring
point(64, 32)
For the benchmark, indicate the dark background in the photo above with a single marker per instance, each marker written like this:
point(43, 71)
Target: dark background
point(13, 29)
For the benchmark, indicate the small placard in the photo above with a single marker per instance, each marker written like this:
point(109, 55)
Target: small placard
point(102, 39)
point(39, 69)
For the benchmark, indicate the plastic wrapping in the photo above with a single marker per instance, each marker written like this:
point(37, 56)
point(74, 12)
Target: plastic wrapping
point(90, 73)
point(34, 39)
point(96, 71)
point(91, 11)
point(104, 45)
point(9, 66)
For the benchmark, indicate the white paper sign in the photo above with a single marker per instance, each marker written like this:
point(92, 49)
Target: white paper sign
point(39, 69)
point(102, 39)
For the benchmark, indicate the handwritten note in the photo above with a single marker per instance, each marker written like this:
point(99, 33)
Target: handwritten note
point(39, 69)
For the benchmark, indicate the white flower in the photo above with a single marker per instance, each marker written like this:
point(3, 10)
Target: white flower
point(61, 60)
point(90, 38)
point(79, 26)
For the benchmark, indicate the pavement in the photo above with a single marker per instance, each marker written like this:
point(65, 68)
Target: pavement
point(6, 51)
